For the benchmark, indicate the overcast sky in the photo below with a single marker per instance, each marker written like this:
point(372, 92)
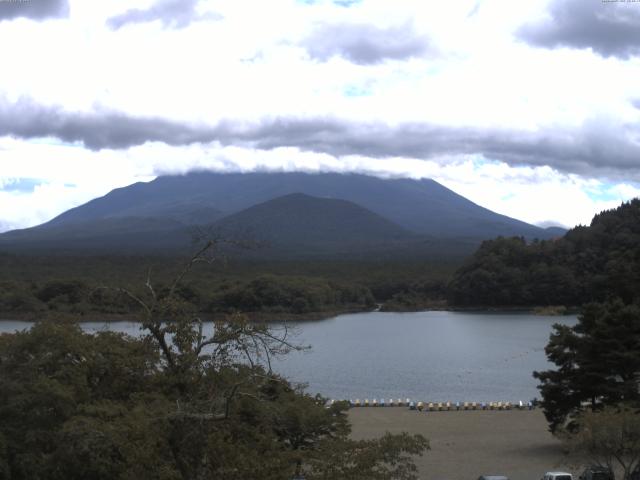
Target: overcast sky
point(529, 108)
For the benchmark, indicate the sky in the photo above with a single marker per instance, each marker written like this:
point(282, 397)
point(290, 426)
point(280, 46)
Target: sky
point(531, 108)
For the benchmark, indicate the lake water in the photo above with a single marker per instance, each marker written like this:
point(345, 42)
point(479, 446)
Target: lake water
point(431, 356)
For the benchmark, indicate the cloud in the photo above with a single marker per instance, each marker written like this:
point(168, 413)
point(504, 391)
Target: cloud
point(474, 11)
point(595, 145)
point(532, 194)
point(172, 14)
point(609, 27)
point(96, 130)
point(365, 44)
point(550, 224)
point(346, 3)
point(33, 9)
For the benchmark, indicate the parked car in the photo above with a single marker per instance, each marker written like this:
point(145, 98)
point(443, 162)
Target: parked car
point(597, 472)
point(557, 476)
point(492, 477)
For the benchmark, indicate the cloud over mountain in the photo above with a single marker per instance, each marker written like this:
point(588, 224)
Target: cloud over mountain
point(595, 146)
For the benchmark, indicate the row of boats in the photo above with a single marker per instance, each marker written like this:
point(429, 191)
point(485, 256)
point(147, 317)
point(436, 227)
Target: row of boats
point(442, 406)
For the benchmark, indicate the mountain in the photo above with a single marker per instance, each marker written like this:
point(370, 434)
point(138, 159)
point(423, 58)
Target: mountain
point(300, 218)
point(169, 205)
point(423, 206)
point(112, 234)
point(299, 222)
point(555, 231)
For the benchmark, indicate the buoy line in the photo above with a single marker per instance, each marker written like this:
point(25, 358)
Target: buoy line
point(436, 406)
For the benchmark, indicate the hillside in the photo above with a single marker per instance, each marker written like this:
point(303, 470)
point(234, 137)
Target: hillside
point(124, 235)
point(587, 264)
point(160, 215)
point(423, 206)
point(302, 221)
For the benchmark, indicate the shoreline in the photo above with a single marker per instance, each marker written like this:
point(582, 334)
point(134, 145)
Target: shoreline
point(262, 317)
point(273, 317)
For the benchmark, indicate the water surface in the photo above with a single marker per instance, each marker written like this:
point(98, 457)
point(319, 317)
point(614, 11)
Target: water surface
point(433, 356)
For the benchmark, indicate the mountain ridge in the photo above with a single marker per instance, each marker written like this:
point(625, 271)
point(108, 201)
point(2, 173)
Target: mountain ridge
point(176, 203)
point(232, 192)
point(301, 221)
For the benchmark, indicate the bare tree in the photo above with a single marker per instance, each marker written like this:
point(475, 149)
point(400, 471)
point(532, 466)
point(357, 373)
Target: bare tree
point(178, 330)
point(609, 437)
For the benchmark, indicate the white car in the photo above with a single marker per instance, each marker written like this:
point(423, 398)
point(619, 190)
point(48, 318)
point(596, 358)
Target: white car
point(557, 476)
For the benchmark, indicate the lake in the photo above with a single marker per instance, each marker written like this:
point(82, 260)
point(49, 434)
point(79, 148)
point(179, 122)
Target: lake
point(430, 356)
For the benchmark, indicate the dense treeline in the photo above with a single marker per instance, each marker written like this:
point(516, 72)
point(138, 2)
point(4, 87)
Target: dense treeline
point(265, 294)
point(588, 264)
point(81, 286)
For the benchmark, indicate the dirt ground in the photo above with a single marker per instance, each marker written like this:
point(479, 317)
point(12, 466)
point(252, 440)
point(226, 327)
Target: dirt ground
point(467, 444)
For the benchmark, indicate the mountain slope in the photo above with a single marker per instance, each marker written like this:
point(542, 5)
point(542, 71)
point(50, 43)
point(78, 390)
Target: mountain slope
point(297, 220)
point(295, 225)
point(422, 206)
point(121, 235)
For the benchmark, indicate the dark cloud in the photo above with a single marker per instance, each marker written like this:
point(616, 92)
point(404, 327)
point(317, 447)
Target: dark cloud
point(365, 44)
point(609, 27)
point(34, 9)
point(96, 130)
point(596, 147)
point(172, 14)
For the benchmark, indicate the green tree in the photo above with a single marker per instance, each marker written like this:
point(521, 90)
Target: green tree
point(598, 362)
point(173, 404)
point(588, 264)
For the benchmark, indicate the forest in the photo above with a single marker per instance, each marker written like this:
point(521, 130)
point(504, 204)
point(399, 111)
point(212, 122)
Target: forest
point(590, 263)
point(84, 287)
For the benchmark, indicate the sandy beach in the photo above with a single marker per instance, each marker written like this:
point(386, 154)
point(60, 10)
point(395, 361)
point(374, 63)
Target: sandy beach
point(467, 444)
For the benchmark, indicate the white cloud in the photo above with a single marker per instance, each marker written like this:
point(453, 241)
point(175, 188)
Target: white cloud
point(625, 191)
point(535, 195)
point(250, 62)
point(72, 176)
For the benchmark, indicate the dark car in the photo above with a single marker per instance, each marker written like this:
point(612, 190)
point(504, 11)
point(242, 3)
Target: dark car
point(635, 475)
point(492, 477)
point(597, 472)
